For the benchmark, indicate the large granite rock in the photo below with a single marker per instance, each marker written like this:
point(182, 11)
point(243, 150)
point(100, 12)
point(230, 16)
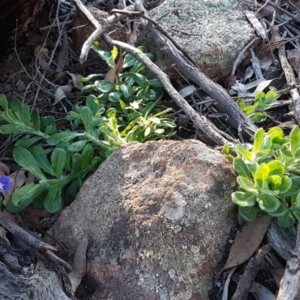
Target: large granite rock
point(157, 216)
point(213, 32)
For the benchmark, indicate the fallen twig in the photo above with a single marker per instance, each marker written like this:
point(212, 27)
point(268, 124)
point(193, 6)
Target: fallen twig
point(251, 270)
point(22, 234)
point(290, 283)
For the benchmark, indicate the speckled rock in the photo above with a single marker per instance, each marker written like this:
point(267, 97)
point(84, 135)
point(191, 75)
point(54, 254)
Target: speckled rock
point(157, 216)
point(213, 32)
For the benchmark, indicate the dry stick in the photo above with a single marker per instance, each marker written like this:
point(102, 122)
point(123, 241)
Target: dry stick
point(251, 270)
point(22, 234)
point(235, 116)
point(31, 240)
point(290, 282)
point(200, 122)
point(291, 81)
point(100, 28)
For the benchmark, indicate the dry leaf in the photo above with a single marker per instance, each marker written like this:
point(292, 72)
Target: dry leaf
point(112, 74)
point(187, 91)
point(60, 92)
point(251, 16)
point(63, 54)
point(78, 84)
point(132, 37)
point(246, 243)
point(294, 57)
point(17, 179)
point(4, 169)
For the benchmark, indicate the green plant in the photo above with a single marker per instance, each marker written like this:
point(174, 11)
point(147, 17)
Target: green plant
point(268, 176)
point(262, 102)
point(123, 111)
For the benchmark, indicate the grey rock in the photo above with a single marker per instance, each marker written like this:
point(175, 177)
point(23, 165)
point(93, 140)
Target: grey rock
point(213, 32)
point(157, 216)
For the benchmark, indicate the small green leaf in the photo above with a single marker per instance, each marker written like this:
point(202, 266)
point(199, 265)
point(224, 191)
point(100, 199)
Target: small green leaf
point(267, 203)
point(8, 129)
point(246, 184)
point(62, 136)
point(41, 158)
point(243, 152)
point(53, 201)
point(258, 117)
point(241, 103)
point(26, 160)
point(16, 107)
point(58, 160)
point(141, 80)
point(23, 196)
point(280, 211)
point(77, 146)
point(27, 142)
point(36, 120)
point(48, 125)
point(241, 167)
point(276, 167)
point(261, 174)
point(86, 117)
point(249, 109)
point(294, 188)
point(92, 103)
point(294, 138)
point(248, 213)
point(258, 139)
point(286, 221)
point(276, 134)
point(126, 91)
point(296, 213)
point(243, 198)
point(105, 86)
point(114, 97)
point(3, 102)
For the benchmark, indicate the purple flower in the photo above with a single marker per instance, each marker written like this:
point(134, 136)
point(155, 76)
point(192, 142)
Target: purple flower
point(5, 183)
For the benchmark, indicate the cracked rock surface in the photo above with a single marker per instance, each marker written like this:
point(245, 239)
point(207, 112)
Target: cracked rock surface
point(157, 216)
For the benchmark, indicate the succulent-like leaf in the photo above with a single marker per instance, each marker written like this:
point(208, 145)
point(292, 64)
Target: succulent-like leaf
point(268, 203)
point(286, 221)
point(243, 152)
point(294, 138)
point(246, 184)
point(241, 168)
point(294, 188)
point(280, 211)
point(248, 213)
point(258, 117)
point(261, 174)
point(258, 140)
point(243, 198)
